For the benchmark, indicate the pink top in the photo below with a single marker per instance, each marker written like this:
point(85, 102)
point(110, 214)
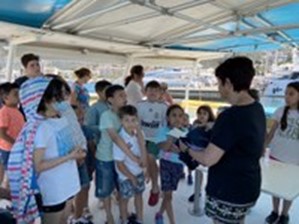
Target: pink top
point(12, 119)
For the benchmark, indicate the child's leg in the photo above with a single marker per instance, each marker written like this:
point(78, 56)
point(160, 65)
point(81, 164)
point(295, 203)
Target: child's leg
point(123, 209)
point(286, 207)
point(50, 218)
point(167, 206)
point(139, 206)
point(67, 211)
point(275, 202)
point(153, 172)
point(80, 202)
point(107, 207)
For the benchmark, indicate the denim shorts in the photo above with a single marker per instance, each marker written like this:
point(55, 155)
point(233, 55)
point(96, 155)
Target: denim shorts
point(4, 156)
point(171, 174)
point(128, 190)
point(106, 179)
point(83, 175)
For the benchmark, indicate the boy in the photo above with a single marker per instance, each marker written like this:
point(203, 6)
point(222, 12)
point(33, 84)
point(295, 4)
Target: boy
point(11, 122)
point(152, 115)
point(130, 174)
point(82, 214)
point(93, 114)
point(31, 66)
point(109, 127)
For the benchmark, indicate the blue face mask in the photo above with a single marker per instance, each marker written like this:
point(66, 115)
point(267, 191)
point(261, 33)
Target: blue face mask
point(62, 106)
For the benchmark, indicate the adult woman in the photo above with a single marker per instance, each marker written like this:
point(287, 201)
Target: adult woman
point(134, 85)
point(236, 145)
point(79, 95)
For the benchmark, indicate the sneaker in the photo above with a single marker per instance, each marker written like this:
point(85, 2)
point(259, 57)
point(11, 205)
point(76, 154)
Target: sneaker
point(132, 217)
point(153, 199)
point(81, 220)
point(283, 219)
point(87, 214)
point(272, 218)
point(159, 218)
point(191, 198)
point(190, 179)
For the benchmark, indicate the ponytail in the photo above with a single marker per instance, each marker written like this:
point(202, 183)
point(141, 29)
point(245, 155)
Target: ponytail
point(128, 79)
point(284, 119)
point(135, 70)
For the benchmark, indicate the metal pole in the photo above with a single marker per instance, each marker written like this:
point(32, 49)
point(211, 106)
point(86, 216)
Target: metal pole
point(10, 60)
point(130, 60)
point(197, 209)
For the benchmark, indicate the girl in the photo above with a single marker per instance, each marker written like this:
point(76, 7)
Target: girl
point(204, 116)
point(134, 85)
point(171, 167)
point(285, 132)
point(37, 170)
point(202, 126)
point(80, 96)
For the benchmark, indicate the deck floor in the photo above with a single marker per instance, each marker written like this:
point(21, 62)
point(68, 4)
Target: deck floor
point(181, 206)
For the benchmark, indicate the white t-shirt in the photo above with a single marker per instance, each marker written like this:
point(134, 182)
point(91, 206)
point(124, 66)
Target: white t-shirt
point(119, 155)
point(134, 93)
point(61, 182)
point(285, 144)
point(152, 116)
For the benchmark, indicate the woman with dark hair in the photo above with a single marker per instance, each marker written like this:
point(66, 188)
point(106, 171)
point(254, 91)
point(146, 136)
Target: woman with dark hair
point(236, 145)
point(80, 96)
point(134, 85)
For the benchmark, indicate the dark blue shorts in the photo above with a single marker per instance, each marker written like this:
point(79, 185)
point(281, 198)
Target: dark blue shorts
point(170, 174)
point(106, 179)
point(83, 175)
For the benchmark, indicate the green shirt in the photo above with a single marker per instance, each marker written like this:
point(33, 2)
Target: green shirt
point(109, 120)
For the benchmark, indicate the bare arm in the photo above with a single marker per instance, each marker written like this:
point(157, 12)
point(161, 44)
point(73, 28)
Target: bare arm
point(41, 164)
point(207, 157)
point(73, 98)
point(5, 136)
point(168, 145)
point(122, 145)
point(124, 170)
point(141, 143)
point(270, 135)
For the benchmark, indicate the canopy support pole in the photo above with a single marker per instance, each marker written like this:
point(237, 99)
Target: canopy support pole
point(10, 61)
point(130, 60)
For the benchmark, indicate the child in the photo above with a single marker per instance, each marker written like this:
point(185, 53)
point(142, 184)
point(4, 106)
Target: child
point(11, 123)
point(284, 139)
point(171, 167)
point(42, 175)
point(152, 115)
point(130, 174)
point(204, 116)
point(82, 214)
point(109, 127)
point(202, 128)
point(93, 114)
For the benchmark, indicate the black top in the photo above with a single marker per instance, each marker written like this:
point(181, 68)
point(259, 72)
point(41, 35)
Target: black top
point(19, 81)
point(239, 131)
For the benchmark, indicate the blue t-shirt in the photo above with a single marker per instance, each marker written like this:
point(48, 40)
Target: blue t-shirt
point(92, 117)
point(240, 132)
